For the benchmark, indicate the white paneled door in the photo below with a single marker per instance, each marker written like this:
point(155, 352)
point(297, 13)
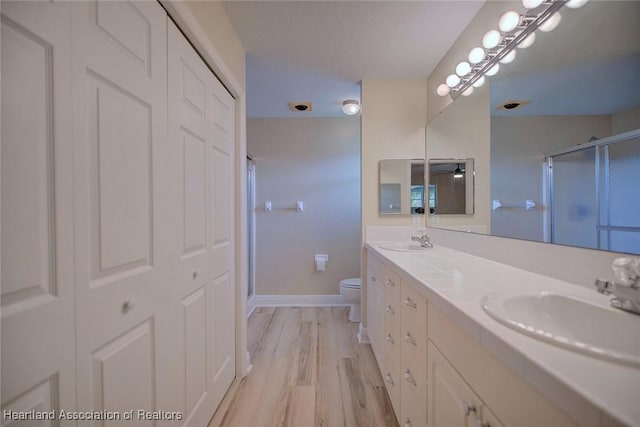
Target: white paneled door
point(201, 135)
point(37, 246)
point(121, 233)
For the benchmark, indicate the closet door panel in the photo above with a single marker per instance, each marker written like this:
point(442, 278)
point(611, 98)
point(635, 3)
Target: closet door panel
point(119, 69)
point(36, 242)
point(220, 111)
point(188, 141)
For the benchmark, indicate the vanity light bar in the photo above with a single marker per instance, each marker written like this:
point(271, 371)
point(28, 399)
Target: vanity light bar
point(528, 24)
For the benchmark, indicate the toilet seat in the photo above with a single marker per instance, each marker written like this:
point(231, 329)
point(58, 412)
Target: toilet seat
point(354, 283)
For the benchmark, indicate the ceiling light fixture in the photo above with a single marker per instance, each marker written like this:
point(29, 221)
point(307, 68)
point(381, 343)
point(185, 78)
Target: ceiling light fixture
point(516, 30)
point(458, 173)
point(351, 107)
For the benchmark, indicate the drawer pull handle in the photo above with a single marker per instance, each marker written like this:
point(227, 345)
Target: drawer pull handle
point(389, 379)
point(390, 310)
point(410, 303)
point(407, 423)
point(391, 283)
point(468, 409)
point(373, 278)
point(195, 274)
point(390, 339)
point(408, 338)
point(479, 423)
point(409, 377)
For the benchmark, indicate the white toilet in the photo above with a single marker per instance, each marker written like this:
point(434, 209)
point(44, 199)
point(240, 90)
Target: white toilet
point(350, 291)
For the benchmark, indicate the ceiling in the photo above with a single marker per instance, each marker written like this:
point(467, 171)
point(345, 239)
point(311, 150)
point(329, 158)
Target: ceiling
point(320, 51)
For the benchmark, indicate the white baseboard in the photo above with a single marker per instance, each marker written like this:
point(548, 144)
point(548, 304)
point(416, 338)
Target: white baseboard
point(363, 338)
point(251, 305)
point(297, 300)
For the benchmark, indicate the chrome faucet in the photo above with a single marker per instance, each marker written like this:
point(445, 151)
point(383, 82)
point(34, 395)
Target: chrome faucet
point(626, 287)
point(422, 238)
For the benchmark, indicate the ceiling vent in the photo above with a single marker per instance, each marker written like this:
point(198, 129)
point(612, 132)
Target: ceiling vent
point(512, 104)
point(298, 107)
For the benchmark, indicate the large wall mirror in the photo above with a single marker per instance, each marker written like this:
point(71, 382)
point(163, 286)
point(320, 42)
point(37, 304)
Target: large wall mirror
point(574, 95)
point(401, 184)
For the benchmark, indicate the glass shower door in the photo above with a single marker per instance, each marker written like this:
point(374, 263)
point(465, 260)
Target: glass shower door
point(619, 228)
point(574, 198)
point(595, 195)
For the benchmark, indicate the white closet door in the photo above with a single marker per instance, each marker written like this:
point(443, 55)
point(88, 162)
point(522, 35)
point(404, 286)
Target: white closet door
point(37, 243)
point(119, 71)
point(221, 120)
point(201, 140)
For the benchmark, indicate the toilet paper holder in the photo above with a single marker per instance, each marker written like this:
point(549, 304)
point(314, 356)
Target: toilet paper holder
point(321, 261)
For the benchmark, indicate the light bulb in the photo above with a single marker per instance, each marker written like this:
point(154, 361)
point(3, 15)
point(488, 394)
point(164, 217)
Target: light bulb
point(468, 91)
point(509, 57)
point(350, 107)
point(493, 70)
point(452, 80)
point(574, 4)
point(551, 23)
point(528, 41)
point(476, 55)
point(443, 90)
point(463, 69)
point(509, 21)
point(479, 82)
point(531, 4)
point(491, 39)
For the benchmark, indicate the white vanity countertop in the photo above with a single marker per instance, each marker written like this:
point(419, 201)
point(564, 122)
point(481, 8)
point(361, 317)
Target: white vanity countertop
point(594, 392)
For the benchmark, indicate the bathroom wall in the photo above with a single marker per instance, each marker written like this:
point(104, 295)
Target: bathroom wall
point(316, 161)
point(626, 121)
point(393, 127)
point(518, 147)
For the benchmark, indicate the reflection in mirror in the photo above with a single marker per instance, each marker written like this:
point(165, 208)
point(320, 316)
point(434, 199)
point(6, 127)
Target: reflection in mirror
point(575, 85)
point(451, 187)
point(402, 186)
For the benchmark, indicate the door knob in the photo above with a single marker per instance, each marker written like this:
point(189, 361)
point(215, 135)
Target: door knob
point(128, 305)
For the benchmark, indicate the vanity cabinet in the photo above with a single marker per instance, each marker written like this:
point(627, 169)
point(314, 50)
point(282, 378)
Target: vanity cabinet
point(435, 373)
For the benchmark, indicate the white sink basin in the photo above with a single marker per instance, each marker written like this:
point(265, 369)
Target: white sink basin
point(403, 246)
point(581, 326)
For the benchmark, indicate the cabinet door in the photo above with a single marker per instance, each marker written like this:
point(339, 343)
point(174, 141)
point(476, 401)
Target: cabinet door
point(488, 419)
point(451, 402)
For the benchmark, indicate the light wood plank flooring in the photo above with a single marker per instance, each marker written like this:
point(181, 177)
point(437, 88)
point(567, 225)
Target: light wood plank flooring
point(308, 371)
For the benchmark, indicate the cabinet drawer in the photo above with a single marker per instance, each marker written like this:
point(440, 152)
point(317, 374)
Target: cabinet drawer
point(392, 332)
point(375, 265)
point(391, 377)
point(414, 408)
point(414, 312)
point(392, 285)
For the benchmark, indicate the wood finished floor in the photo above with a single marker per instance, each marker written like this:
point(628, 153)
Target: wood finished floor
point(308, 371)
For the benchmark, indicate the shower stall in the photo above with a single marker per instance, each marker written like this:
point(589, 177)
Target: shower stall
point(594, 194)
